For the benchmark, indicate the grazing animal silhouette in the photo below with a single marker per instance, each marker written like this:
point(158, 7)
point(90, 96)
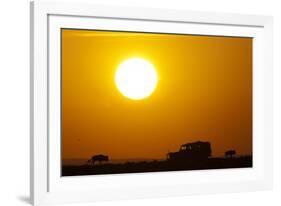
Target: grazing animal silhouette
point(230, 153)
point(98, 158)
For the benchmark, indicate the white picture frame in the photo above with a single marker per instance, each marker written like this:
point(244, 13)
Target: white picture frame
point(47, 186)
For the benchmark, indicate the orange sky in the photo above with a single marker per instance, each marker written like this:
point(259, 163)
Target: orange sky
point(204, 93)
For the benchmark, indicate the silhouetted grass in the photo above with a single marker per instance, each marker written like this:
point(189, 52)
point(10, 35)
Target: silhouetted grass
point(158, 166)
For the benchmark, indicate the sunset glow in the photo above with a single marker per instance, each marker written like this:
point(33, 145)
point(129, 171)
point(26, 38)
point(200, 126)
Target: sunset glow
point(136, 95)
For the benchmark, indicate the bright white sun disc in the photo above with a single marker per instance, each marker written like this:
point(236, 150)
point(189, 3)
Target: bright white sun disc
point(136, 78)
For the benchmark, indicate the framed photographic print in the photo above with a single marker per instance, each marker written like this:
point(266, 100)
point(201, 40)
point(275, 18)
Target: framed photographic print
point(138, 102)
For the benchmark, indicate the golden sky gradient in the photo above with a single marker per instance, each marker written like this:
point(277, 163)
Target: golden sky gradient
point(204, 93)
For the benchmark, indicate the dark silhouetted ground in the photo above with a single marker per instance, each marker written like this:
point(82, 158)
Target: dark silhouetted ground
point(158, 166)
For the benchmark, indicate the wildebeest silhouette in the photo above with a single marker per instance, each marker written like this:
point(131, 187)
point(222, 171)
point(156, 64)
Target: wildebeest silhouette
point(192, 151)
point(230, 153)
point(98, 158)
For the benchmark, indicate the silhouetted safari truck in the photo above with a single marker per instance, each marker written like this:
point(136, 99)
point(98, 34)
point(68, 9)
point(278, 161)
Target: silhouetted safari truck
point(98, 158)
point(192, 151)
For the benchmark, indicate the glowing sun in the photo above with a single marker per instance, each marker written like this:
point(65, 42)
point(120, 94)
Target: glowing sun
point(136, 78)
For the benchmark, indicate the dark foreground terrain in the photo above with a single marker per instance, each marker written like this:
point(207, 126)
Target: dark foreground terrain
point(157, 166)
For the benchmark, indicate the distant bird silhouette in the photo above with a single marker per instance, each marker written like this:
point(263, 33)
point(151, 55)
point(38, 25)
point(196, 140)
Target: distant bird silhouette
point(230, 153)
point(98, 158)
